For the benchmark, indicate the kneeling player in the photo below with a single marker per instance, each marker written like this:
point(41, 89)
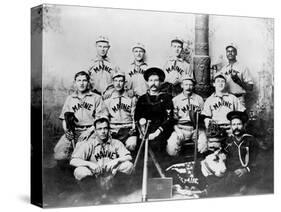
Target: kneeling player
point(100, 159)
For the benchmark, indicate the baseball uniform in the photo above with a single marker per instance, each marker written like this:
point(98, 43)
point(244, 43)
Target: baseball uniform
point(175, 68)
point(101, 73)
point(216, 107)
point(135, 80)
point(243, 73)
point(121, 110)
point(101, 153)
point(184, 106)
point(85, 110)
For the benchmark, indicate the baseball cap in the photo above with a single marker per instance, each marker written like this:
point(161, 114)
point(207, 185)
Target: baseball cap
point(138, 45)
point(188, 77)
point(177, 39)
point(219, 75)
point(102, 39)
point(118, 74)
point(101, 118)
point(232, 44)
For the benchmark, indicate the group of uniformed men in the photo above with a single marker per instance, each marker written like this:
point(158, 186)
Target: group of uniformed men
point(100, 117)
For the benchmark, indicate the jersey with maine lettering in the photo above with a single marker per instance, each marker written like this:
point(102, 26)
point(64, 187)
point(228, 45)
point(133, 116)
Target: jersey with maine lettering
point(99, 152)
point(175, 68)
point(121, 108)
point(135, 80)
point(242, 73)
point(183, 105)
point(101, 74)
point(85, 109)
point(217, 107)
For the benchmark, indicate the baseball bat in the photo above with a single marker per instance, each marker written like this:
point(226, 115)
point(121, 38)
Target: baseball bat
point(145, 169)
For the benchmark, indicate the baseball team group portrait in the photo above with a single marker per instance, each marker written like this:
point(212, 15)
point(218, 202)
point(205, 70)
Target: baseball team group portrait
point(143, 106)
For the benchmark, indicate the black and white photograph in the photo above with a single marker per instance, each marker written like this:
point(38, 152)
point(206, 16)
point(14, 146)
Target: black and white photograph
point(144, 106)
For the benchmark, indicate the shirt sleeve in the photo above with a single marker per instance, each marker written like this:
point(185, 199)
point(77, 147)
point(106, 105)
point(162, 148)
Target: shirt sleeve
point(207, 109)
point(176, 109)
point(238, 105)
point(246, 76)
point(83, 151)
point(121, 149)
point(100, 109)
point(65, 108)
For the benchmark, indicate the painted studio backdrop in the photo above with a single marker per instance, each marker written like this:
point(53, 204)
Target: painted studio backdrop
point(69, 46)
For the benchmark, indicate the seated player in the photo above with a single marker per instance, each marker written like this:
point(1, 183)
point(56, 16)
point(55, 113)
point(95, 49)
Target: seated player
point(78, 114)
point(121, 107)
point(186, 105)
point(241, 150)
point(98, 161)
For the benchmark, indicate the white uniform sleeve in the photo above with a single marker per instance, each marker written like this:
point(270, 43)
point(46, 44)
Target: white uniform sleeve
point(121, 149)
point(238, 105)
point(83, 151)
point(207, 109)
point(246, 76)
point(65, 108)
point(101, 109)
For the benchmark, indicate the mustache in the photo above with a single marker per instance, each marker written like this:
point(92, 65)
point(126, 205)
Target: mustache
point(153, 86)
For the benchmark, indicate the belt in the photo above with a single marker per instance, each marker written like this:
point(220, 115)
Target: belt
point(80, 127)
point(239, 94)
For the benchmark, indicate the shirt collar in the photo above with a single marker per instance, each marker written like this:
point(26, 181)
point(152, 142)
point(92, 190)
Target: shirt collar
point(223, 94)
point(116, 95)
point(245, 135)
point(141, 64)
point(75, 94)
point(99, 58)
point(98, 143)
point(183, 97)
point(233, 64)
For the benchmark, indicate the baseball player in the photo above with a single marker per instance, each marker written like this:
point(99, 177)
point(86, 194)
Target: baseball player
point(218, 105)
point(158, 108)
point(121, 108)
point(100, 159)
point(77, 115)
point(241, 151)
point(186, 105)
point(176, 67)
point(237, 75)
point(134, 76)
point(101, 70)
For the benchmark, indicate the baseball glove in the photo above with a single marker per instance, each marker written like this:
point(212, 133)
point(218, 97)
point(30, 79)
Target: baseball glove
point(70, 120)
point(215, 131)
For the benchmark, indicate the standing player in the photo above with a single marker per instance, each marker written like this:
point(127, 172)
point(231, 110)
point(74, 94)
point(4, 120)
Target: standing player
point(134, 76)
point(218, 105)
point(237, 76)
point(176, 67)
point(100, 159)
point(186, 105)
point(121, 108)
point(102, 69)
point(78, 114)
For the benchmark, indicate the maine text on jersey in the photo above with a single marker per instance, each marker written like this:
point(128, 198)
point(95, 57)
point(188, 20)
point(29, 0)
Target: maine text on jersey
point(176, 68)
point(100, 67)
point(122, 106)
point(134, 71)
point(79, 106)
point(187, 108)
point(221, 103)
point(106, 154)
